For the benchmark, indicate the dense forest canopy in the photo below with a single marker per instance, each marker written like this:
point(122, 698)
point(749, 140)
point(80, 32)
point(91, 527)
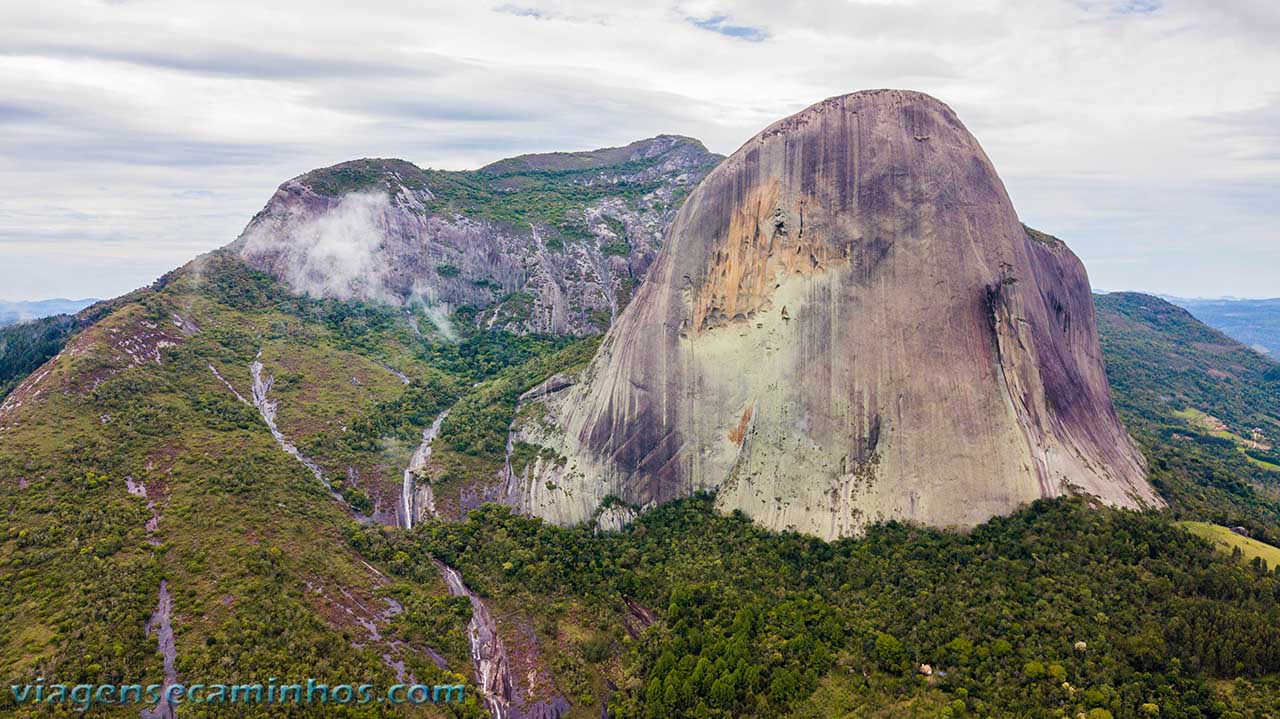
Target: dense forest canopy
point(1058, 610)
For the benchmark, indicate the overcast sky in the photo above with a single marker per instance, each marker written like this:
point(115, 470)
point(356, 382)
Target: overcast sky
point(135, 134)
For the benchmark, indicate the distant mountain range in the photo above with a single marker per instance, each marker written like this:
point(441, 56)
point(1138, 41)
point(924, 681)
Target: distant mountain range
point(14, 312)
point(1254, 322)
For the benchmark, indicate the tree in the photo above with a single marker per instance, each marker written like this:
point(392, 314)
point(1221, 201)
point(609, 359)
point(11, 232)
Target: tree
point(723, 692)
point(889, 652)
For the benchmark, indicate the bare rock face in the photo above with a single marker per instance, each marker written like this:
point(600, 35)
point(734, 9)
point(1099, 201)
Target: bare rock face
point(539, 243)
point(847, 324)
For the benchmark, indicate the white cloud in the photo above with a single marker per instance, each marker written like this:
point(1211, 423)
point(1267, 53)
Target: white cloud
point(337, 254)
point(135, 134)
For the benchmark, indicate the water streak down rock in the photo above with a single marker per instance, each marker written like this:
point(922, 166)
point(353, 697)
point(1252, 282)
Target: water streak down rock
point(847, 324)
point(161, 625)
point(418, 500)
point(503, 694)
point(267, 408)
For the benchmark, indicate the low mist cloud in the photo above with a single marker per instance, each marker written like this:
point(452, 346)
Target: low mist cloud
point(340, 253)
point(333, 254)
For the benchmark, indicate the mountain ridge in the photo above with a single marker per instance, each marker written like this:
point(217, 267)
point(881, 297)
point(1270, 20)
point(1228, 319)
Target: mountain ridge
point(645, 149)
point(27, 310)
point(1255, 322)
point(538, 243)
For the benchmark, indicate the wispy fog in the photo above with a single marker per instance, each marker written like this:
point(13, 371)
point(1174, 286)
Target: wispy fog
point(332, 254)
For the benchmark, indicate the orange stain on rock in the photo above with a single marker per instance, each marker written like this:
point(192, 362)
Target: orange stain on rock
point(739, 433)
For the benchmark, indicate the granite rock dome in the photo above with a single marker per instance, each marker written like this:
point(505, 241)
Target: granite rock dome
point(847, 323)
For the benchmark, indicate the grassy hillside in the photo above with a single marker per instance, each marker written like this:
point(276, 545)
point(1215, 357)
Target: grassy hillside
point(1226, 540)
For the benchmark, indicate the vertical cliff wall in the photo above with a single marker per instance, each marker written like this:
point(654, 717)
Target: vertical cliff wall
point(539, 243)
point(848, 323)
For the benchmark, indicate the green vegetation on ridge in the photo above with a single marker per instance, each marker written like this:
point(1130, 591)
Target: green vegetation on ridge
point(548, 190)
point(26, 346)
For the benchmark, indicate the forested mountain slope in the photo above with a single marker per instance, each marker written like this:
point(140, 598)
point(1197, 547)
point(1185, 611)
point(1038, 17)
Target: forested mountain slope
point(26, 345)
point(140, 463)
point(1205, 407)
point(134, 463)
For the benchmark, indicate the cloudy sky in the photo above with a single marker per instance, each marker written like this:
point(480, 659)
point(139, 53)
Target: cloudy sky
point(135, 134)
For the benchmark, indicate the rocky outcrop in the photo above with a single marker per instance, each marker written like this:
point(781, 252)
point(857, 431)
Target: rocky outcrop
point(505, 693)
point(161, 626)
point(418, 499)
point(267, 408)
point(847, 324)
point(542, 243)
